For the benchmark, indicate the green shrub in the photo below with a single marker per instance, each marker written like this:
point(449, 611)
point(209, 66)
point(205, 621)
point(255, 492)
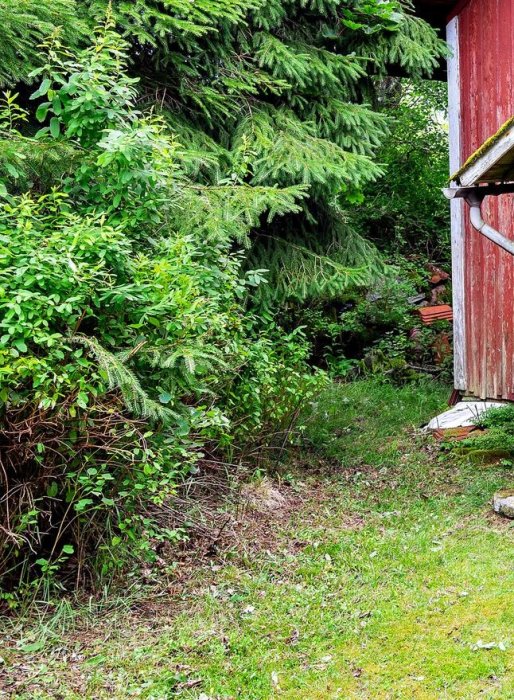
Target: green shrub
point(405, 211)
point(125, 342)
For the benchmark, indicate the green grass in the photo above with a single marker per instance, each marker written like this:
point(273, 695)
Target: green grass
point(380, 586)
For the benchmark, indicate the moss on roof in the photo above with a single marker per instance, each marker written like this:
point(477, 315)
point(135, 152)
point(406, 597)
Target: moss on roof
point(483, 149)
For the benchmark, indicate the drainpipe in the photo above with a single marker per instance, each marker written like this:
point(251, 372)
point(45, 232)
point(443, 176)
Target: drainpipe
point(474, 196)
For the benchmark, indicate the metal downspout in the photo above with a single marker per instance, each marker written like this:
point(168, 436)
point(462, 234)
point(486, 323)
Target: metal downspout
point(475, 200)
point(474, 196)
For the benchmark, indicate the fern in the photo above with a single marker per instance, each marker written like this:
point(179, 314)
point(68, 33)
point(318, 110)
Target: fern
point(187, 358)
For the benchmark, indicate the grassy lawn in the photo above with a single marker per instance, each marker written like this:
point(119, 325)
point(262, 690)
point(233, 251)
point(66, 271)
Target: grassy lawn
point(390, 578)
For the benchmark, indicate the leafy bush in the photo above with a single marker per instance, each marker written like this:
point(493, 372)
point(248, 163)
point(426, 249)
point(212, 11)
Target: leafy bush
point(376, 330)
point(269, 396)
point(125, 345)
point(405, 211)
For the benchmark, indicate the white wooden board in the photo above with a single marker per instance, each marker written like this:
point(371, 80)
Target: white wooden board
point(462, 415)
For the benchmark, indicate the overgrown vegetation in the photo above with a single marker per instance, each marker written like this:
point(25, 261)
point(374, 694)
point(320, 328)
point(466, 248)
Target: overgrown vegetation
point(406, 212)
point(178, 193)
point(373, 328)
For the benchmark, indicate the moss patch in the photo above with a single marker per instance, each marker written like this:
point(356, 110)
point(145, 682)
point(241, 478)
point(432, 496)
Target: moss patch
point(482, 150)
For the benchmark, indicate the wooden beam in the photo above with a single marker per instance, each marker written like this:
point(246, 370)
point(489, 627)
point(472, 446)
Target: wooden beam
point(457, 213)
point(491, 163)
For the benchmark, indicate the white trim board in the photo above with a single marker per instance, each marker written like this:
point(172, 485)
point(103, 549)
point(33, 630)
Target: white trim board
point(457, 214)
point(493, 164)
point(464, 415)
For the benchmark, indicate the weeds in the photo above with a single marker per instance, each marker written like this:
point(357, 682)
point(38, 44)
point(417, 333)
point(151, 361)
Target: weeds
point(388, 578)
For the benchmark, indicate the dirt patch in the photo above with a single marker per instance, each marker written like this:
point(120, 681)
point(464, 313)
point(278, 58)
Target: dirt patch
point(264, 497)
point(265, 512)
point(263, 521)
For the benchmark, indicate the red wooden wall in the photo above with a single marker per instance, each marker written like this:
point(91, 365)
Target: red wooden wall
point(486, 57)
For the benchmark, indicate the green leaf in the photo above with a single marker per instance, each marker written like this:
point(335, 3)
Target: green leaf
point(42, 132)
point(183, 427)
point(33, 646)
point(83, 504)
point(96, 660)
point(12, 170)
point(352, 25)
point(68, 549)
point(82, 399)
point(55, 127)
point(57, 105)
point(42, 89)
point(42, 111)
point(20, 345)
point(52, 489)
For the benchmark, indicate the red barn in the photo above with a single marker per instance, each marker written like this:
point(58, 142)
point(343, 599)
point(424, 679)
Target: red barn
point(481, 102)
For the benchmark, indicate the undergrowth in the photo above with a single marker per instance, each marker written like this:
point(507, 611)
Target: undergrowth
point(129, 360)
point(390, 579)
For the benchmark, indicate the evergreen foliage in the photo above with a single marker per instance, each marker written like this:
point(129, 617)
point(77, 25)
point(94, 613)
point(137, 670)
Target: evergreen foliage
point(288, 97)
point(25, 24)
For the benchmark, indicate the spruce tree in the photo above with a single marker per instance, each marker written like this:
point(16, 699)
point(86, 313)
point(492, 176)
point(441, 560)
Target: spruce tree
point(264, 93)
point(27, 23)
point(282, 93)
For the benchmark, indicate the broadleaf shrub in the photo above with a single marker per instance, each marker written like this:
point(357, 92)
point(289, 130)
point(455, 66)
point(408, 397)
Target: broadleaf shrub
point(126, 346)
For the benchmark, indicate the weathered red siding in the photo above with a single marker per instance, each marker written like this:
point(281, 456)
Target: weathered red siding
point(486, 49)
